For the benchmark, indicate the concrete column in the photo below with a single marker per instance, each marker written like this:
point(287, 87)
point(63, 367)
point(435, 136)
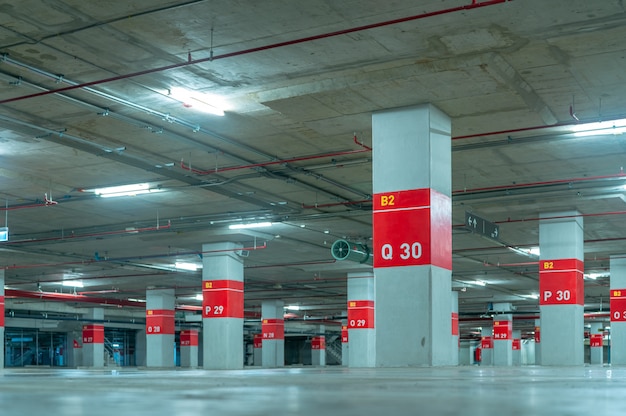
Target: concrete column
point(189, 348)
point(412, 243)
point(273, 327)
point(222, 307)
point(561, 288)
point(257, 359)
point(318, 348)
point(517, 347)
point(486, 346)
point(93, 339)
point(537, 341)
point(361, 328)
point(503, 340)
point(465, 353)
point(160, 328)
point(456, 342)
point(345, 345)
point(596, 344)
point(2, 319)
point(618, 309)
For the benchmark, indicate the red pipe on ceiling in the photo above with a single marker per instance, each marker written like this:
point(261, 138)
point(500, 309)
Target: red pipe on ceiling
point(473, 5)
point(620, 175)
point(277, 162)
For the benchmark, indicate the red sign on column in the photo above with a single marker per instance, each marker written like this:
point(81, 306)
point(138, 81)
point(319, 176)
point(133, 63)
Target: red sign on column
point(595, 340)
point(561, 282)
point(1, 311)
point(486, 343)
point(517, 344)
point(189, 338)
point(360, 314)
point(537, 334)
point(318, 343)
point(222, 299)
point(77, 345)
point(618, 305)
point(455, 324)
point(258, 340)
point(502, 330)
point(404, 225)
point(93, 334)
point(160, 322)
point(273, 329)
point(344, 334)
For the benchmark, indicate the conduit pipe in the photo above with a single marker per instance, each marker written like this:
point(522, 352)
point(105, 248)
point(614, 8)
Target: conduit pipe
point(619, 175)
point(123, 259)
point(189, 62)
point(73, 236)
point(587, 315)
point(278, 162)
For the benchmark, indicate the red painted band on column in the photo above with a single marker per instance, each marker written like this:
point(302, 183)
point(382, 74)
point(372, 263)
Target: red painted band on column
point(1, 311)
point(344, 334)
point(595, 340)
point(258, 340)
point(537, 335)
point(189, 338)
point(502, 330)
point(516, 345)
point(412, 228)
point(93, 334)
point(318, 343)
point(618, 305)
point(273, 329)
point(222, 299)
point(455, 324)
point(561, 282)
point(160, 322)
point(486, 343)
point(360, 314)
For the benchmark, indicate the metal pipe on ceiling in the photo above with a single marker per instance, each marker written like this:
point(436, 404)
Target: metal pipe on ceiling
point(212, 57)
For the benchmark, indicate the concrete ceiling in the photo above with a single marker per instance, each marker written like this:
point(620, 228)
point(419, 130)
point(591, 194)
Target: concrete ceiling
point(84, 105)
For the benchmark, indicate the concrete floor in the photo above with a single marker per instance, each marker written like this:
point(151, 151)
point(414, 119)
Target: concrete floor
point(315, 391)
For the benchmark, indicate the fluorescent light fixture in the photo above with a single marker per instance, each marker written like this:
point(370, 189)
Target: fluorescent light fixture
point(137, 300)
point(478, 283)
point(186, 266)
point(198, 101)
point(72, 283)
point(529, 251)
point(614, 127)
point(199, 297)
point(531, 296)
point(125, 190)
point(250, 225)
point(292, 307)
point(594, 276)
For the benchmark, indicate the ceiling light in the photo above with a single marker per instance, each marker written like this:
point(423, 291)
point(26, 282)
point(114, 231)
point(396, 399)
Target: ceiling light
point(199, 297)
point(72, 283)
point(292, 307)
point(186, 266)
point(479, 283)
point(250, 225)
point(594, 276)
point(125, 190)
point(602, 127)
point(198, 101)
